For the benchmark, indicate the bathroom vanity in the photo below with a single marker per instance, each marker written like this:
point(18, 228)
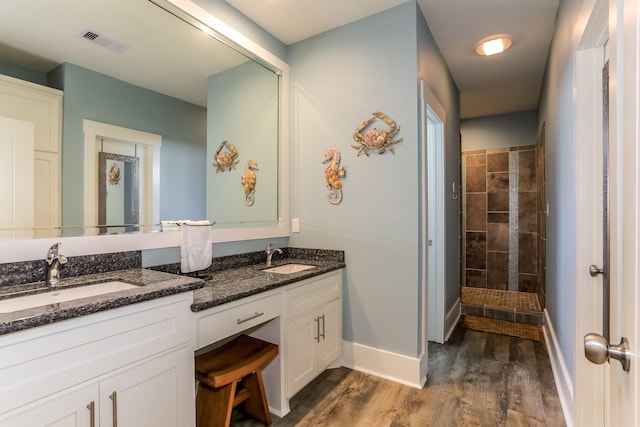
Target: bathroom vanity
point(127, 357)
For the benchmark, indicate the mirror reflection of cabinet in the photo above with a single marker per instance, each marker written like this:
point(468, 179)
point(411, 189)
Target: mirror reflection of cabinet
point(39, 108)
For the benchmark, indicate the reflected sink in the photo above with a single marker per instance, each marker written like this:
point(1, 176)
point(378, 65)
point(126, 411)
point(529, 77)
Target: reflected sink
point(288, 268)
point(62, 295)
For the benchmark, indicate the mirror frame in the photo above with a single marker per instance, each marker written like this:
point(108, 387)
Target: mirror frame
point(25, 250)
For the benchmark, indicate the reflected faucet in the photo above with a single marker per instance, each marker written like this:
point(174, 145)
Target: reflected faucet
point(270, 250)
point(55, 261)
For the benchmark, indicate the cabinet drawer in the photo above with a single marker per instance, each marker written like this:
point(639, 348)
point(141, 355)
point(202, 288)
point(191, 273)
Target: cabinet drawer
point(223, 323)
point(313, 293)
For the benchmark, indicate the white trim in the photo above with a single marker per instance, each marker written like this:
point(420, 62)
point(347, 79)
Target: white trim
point(384, 364)
point(149, 141)
point(560, 372)
point(453, 316)
point(433, 120)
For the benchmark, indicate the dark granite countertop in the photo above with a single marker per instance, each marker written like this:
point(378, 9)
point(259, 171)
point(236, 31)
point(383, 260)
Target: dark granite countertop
point(235, 283)
point(230, 278)
point(152, 284)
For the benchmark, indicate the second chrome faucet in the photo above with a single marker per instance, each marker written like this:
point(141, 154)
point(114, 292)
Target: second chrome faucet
point(55, 261)
point(270, 250)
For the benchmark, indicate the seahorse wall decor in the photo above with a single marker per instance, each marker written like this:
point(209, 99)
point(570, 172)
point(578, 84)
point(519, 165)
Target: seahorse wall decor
point(375, 138)
point(249, 182)
point(332, 173)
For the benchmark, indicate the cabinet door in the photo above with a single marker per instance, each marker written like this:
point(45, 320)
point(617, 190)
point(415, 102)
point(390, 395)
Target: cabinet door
point(301, 349)
point(64, 409)
point(158, 392)
point(330, 345)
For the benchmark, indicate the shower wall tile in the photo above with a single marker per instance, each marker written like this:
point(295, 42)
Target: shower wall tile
point(476, 174)
point(476, 278)
point(498, 270)
point(527, 212)
point(476, 212)
point(497, 181)
point(527, 262)
point(498, 217)
point(476, 250)
point(498, 201)
point(498, 162)
point(527, 170)
point(527, 282)
point(498, 237)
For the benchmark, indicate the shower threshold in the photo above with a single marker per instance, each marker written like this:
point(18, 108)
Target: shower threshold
point(521, 307)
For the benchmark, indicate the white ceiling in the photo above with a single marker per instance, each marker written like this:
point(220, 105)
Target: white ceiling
point(488, 85)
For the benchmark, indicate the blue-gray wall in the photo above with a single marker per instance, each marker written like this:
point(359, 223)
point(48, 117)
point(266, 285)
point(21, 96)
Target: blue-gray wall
point(500, 130)
point(94, 96)
point(433, 70)
point(22, 73)
point(242, 109)
point(338, 79)
point(558, 112)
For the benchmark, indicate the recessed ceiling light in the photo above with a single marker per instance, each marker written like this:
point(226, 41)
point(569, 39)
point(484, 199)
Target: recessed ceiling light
point(493, 45)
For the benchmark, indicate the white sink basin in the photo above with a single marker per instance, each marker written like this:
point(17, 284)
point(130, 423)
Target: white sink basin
point(57, 296)
point(288, 268)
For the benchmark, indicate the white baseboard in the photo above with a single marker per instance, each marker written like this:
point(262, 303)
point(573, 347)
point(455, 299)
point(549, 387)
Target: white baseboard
point(384, 364)
point(451, 320)
point(560, 372)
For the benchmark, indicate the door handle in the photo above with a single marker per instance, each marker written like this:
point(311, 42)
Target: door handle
point(114, 407)
point(598, 350)
point(594, 270)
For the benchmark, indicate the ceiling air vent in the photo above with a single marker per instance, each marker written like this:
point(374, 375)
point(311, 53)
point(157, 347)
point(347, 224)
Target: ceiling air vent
point(103, 41)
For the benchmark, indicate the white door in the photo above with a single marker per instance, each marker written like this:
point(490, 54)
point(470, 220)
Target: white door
point(16, 175)
point(621, 380)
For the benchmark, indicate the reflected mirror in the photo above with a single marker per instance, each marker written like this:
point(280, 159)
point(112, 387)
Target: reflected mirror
point(118, 200)
point(132, 64)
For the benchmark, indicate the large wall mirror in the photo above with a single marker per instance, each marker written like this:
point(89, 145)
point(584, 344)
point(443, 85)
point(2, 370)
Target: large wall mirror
point(150, 67)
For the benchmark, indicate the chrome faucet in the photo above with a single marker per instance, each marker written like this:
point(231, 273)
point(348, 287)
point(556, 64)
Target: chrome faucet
point(55, 261)
point(270, 250)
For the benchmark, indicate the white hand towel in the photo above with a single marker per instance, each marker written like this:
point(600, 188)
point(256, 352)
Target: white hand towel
point(195, 251)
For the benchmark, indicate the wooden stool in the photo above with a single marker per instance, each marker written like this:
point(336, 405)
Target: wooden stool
point(219, 372)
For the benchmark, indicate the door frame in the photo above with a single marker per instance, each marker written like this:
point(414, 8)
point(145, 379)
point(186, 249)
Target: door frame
point(433, 125)
point(624, 99)
point(151, 143)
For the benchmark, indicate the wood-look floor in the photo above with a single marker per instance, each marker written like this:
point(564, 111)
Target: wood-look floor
point(475, 379)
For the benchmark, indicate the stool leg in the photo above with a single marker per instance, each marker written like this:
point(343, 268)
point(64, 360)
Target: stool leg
point(214, 405)
point(256, 405)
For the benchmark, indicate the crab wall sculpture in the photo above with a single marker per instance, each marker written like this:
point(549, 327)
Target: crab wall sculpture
point(249, 182)
point(375, 138)
point(332, 173)
point(226, 159)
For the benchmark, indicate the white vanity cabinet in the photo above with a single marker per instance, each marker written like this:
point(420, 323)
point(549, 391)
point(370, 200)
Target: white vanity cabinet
point(313, 329)
point(133, 363)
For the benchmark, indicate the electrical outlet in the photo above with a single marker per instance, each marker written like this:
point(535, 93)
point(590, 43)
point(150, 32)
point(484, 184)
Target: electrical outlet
point(295, 225)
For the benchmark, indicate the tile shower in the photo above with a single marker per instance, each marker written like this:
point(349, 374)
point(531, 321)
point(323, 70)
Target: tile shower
point(502, 234)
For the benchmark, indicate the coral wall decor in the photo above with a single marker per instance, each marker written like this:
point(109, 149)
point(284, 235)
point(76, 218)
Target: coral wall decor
point(332, 173)
point(375, 138)
point(249, 182)
point(226, 157)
